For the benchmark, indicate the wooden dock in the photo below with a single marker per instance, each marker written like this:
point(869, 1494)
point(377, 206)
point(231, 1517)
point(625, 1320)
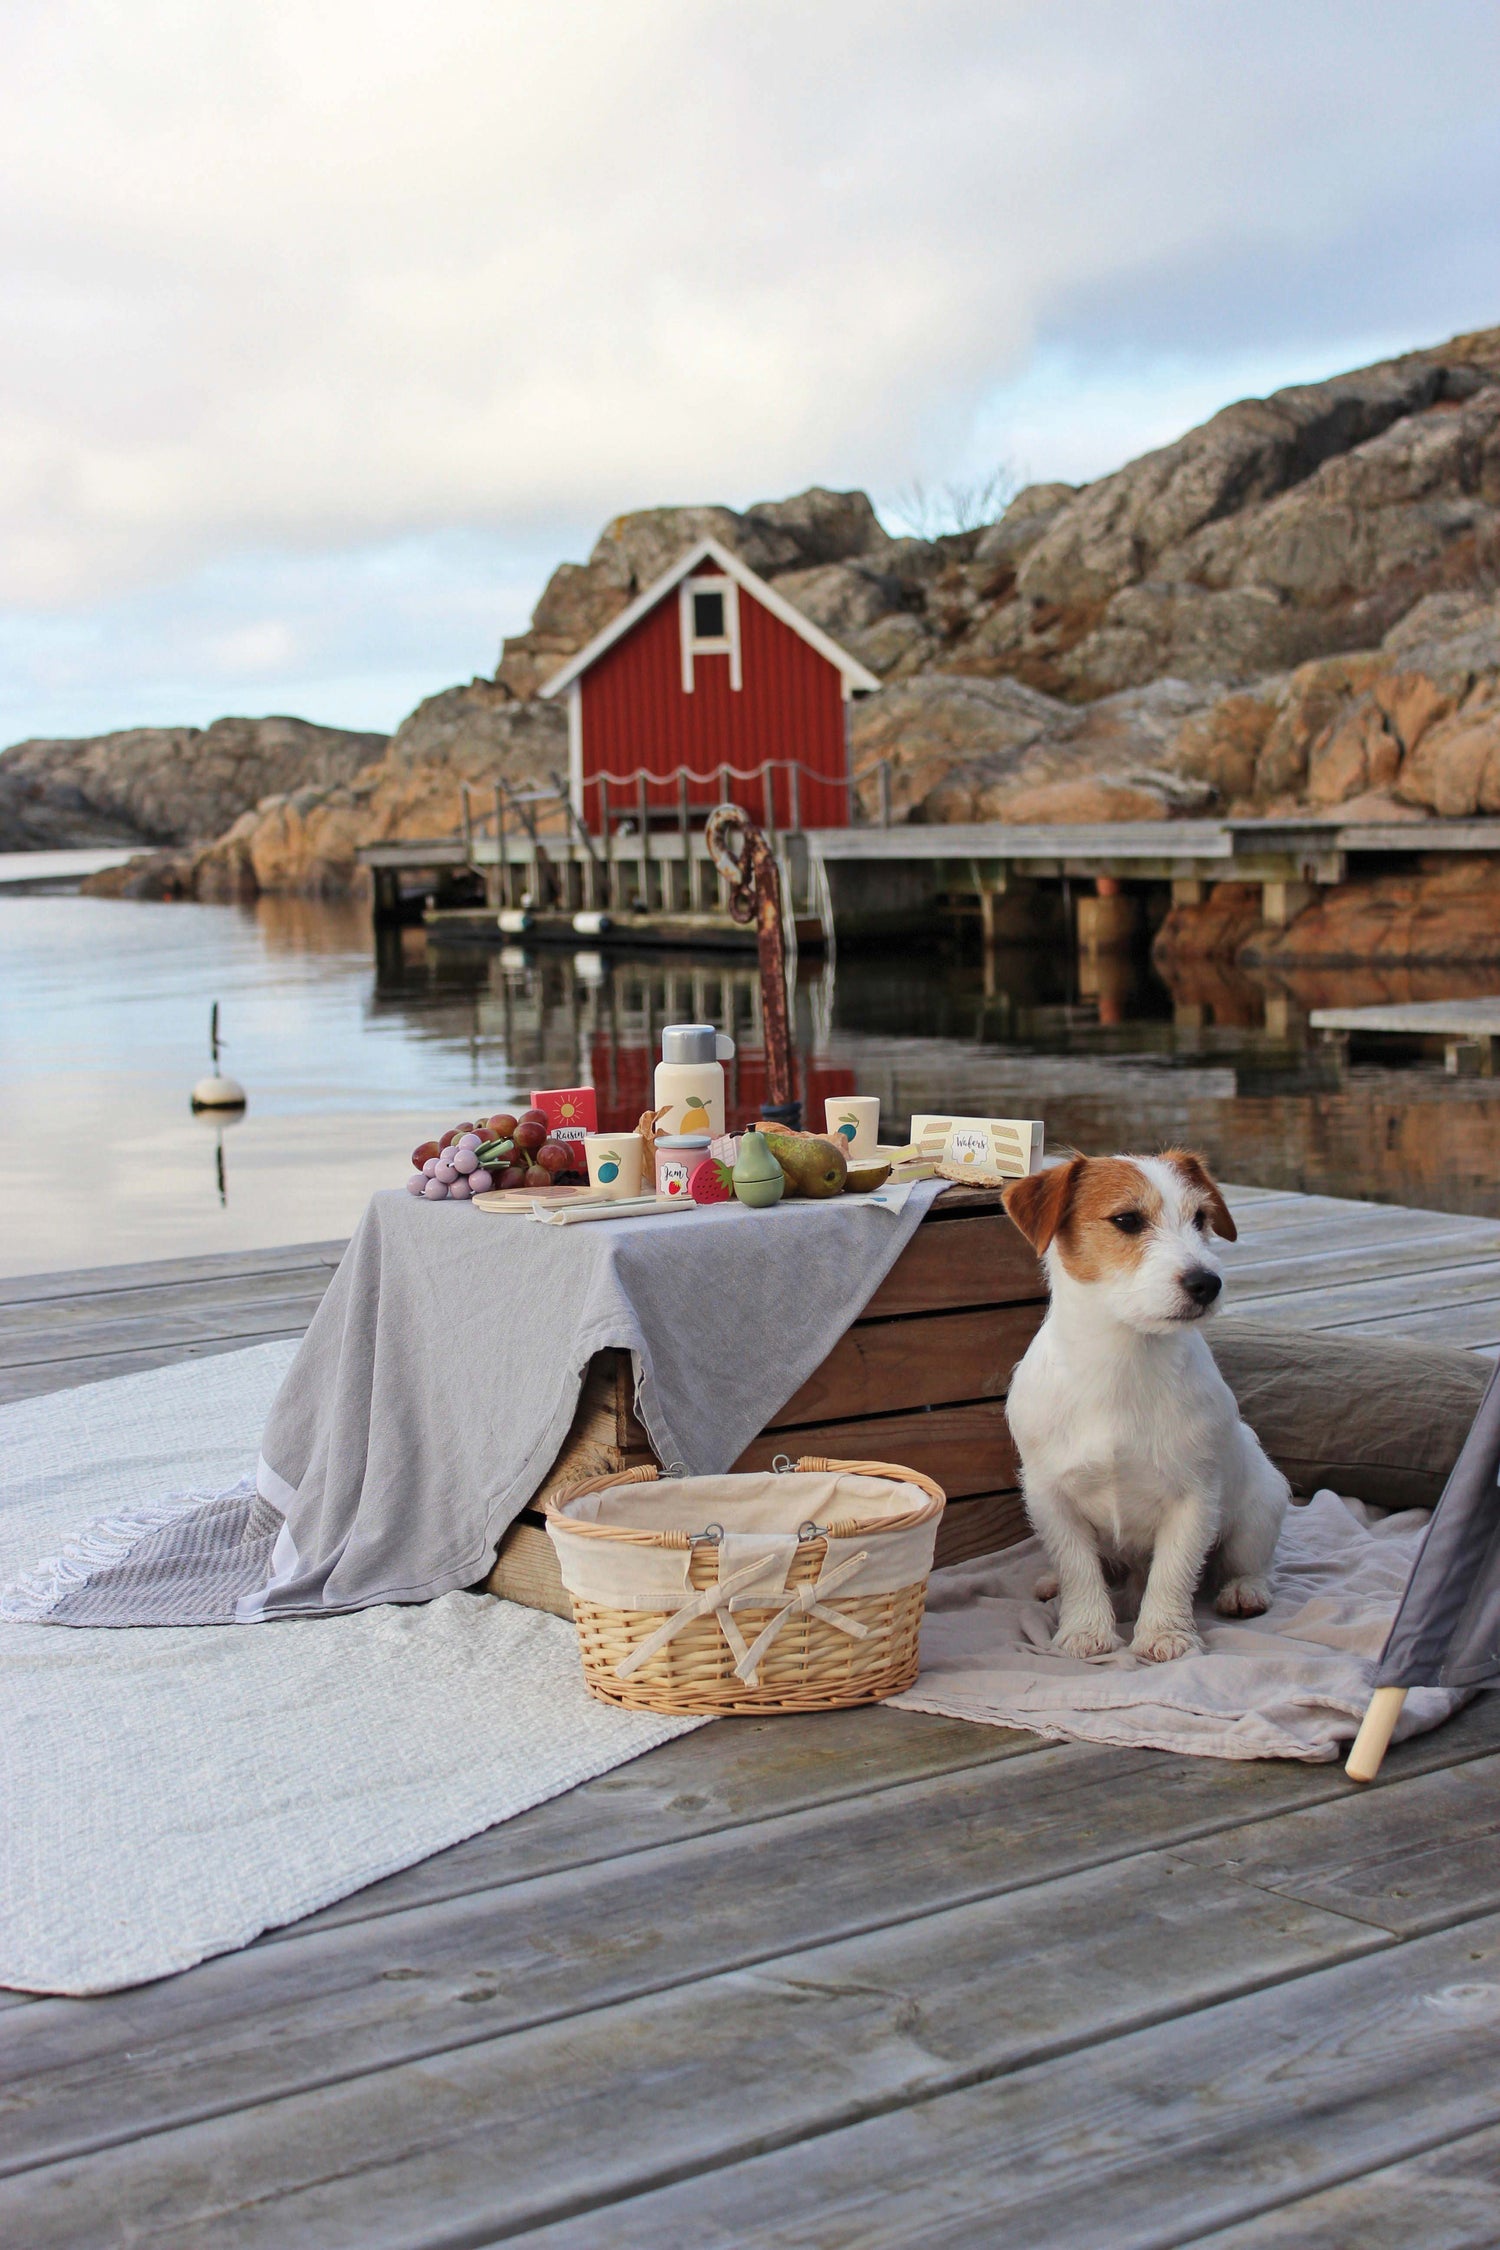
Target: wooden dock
point(1467, 1030)
point(889, 877)
point(864, 1979)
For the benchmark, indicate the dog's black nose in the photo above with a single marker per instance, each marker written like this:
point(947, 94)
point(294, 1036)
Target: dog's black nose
point(1201, 1285)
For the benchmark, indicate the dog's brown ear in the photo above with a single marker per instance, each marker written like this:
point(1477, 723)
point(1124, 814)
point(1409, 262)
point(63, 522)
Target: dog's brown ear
point(1196, 1171)
point(1040, 1203)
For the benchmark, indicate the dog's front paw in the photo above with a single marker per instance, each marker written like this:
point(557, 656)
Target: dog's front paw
point(1087, 1640)
point(1046, 1587)
point(1159, 1644)
point(1243, 1597)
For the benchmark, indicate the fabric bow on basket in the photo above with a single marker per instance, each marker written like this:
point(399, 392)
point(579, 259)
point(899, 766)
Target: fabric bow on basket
point(732, 1588)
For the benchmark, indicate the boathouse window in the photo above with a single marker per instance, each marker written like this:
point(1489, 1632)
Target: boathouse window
point(709, 619)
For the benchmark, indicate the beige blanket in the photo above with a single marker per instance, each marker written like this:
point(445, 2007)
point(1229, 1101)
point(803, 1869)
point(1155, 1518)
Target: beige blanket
point(1291, 1684)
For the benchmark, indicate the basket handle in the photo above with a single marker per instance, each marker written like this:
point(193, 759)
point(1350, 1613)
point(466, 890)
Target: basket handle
point(559, 1496)
point(877, 1469)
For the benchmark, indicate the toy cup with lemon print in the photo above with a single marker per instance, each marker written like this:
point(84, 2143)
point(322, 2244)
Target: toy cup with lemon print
point(614, 1162)
point(854, 1122)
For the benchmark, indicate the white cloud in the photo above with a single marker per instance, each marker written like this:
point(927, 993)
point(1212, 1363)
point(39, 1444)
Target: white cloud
point(283, 282)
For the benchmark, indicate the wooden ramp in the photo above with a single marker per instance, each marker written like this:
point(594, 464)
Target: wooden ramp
point(865, 1979)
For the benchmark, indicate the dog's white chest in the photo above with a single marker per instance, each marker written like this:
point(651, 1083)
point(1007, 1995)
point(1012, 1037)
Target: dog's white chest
point(1121, 1438)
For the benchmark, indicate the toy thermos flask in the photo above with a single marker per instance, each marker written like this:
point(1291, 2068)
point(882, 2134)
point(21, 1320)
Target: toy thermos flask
point(690, 1078)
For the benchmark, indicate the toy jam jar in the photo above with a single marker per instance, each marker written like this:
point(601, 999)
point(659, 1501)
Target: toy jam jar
point(678, 1156)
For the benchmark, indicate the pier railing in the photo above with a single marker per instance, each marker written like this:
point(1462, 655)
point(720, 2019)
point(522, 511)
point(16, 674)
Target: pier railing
point(531, 847)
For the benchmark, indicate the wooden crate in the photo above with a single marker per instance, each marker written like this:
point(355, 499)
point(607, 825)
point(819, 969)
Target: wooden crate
point(920, 1378)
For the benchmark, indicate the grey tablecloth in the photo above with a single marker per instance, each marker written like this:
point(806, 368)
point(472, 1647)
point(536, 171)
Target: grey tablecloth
point(442, 1370)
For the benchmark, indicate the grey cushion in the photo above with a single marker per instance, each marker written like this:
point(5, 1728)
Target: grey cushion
point(1376, 1421)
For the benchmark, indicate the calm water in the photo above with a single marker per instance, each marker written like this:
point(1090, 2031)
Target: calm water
point(104, 1021)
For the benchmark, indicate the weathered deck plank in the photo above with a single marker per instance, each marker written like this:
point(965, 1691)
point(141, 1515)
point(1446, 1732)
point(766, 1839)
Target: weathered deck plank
point(93, 1281)
point(1155, 2137)
point(252, 2028)
point(1445, 2199)
point(1015, 1898)
point(698, 2077)
point(63, 1375)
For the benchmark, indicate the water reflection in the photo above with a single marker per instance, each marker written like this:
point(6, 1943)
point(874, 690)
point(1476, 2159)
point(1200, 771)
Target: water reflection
point(349, 1060)
point(1110, 1053)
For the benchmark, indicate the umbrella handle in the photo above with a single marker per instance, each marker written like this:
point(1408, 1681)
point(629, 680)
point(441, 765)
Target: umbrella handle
point(1374, 1736)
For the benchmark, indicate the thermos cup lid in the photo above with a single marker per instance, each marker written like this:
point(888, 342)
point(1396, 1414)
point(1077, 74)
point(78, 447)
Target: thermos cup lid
point(694, 1043)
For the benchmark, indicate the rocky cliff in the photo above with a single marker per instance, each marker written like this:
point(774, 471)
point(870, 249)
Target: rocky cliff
point(165, 785)
point(1293, 607)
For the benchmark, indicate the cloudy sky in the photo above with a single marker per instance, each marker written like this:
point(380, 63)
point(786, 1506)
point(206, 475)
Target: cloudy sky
point(328, 326)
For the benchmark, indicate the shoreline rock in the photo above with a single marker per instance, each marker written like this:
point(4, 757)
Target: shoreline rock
point(158, 786)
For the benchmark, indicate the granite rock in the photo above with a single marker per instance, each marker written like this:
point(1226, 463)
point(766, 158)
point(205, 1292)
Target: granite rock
point(165, 785)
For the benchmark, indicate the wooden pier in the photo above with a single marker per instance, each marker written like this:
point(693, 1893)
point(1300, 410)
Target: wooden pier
point(1466, 1030)
point(867, 1977)
point(886, 880)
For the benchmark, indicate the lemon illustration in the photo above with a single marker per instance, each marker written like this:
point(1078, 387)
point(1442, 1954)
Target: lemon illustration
point(694, 1114)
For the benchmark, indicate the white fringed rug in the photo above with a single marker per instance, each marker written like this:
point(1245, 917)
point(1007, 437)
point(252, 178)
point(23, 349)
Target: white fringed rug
point(168, 1793)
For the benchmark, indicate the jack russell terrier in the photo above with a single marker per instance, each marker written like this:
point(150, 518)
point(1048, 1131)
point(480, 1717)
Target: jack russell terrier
point(1133, 1454)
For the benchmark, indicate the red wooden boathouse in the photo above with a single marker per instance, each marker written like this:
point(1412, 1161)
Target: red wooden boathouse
point(711, 685)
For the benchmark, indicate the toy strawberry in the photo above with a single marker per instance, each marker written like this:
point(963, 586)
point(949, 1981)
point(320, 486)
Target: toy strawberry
point(711, 1182)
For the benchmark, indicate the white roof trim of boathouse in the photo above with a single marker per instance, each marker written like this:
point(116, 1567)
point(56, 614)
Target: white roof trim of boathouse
point(857, 681)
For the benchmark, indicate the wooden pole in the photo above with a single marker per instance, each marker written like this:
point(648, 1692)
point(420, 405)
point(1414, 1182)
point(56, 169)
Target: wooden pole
point(1374, 1736)
point(609, 862)
point(643, 814)
point(500, 868)
point(685, 897)
point(754, 882)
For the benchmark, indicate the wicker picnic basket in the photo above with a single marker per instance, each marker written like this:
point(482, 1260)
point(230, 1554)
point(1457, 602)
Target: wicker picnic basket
point(792, 1589)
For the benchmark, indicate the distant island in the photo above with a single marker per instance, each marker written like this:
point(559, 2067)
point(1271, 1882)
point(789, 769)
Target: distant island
point(1292, 610)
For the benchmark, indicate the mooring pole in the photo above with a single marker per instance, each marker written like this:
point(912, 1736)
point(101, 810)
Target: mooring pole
point(754, 883)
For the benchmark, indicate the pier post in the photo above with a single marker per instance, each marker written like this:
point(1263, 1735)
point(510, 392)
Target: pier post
point(1473, 1056)
point(1107, 922)
point(1282, 902)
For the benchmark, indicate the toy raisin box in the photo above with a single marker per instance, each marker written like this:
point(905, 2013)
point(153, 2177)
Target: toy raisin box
point(570, 1111)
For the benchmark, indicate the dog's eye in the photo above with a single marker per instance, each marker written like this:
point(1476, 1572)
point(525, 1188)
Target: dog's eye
point(1200, 1221)
point(1128, 1222)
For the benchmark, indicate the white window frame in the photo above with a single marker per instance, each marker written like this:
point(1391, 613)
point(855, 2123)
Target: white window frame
point(724, 644)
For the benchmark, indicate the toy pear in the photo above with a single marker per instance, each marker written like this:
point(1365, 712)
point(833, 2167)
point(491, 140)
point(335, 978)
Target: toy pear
point(758, 1178)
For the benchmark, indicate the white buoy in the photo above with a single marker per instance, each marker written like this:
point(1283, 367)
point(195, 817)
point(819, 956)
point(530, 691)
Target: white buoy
point(216, 1091)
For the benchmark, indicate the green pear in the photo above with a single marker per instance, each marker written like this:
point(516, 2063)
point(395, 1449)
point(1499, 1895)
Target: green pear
point(813, 1166)
point(758, 1178)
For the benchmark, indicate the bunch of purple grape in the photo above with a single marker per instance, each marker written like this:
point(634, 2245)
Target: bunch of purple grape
point(500, 1152)
point(454, 1173)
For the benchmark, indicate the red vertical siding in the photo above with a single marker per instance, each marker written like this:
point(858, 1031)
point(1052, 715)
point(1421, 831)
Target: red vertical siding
point(790, 705)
